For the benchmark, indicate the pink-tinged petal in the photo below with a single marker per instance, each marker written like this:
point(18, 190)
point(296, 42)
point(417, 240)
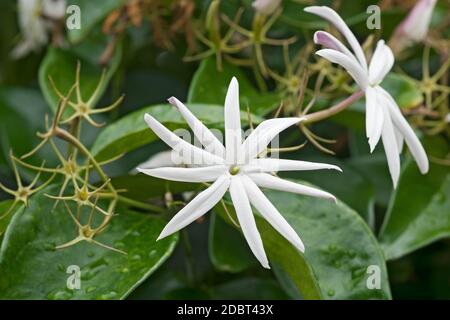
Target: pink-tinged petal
point(415, 26)
point(247, 220)
point(374, 117)
point(260, 138)
point(201, 132)
point(274, 165)
point(354, 69)
point(266, 7)
point(381, 63)
point(271, 214)
point(414, 145)
point(233, 133)
point(390, 147)
point(203, 174)
point(265, 180)
point(190, 154)
point(334, 18)
point(201, 204)
point(327, 40)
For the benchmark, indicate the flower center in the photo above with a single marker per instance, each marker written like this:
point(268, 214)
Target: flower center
point(234, 170)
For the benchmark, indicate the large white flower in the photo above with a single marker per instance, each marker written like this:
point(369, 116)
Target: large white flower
point(236, 168)
point(383, 116)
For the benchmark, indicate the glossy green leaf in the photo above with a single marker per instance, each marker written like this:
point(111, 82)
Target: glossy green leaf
point(210, 86)
point(5, 206)
point(227, 249)
point(92, 12)
point(60, 64)
point(131, 131)
point(339, 249)
point(404, 90)
point(419, 212)
point(19, 108)
point(32, 268)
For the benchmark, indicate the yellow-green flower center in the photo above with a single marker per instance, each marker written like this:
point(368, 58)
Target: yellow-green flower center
point(234, 170)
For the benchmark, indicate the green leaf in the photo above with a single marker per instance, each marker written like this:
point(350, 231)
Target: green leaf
point(131, 131)
point(404, 90)
point(339, 248)
point(91, 14)
point(61, 64)
point(210, 86)
point(419, 212)
point(227, 249)
point(19, 108)
point(4, 222)
point(32, 268)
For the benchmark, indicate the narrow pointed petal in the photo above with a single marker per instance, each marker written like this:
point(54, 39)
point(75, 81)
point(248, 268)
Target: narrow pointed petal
point(201, 204)
point(354, 69)
point(390, 148)
point(399, 139)
point(334, 18)
point(201, 132)
point(374, 117)
point(414, 145)
point(381, 63)
point(247, 220)
point(203, 174)
point(274, 165)
point(190, 154)
point(265, 180)
point(267, 130)
point(329, 41)
point(271, 214)
point(233, 134)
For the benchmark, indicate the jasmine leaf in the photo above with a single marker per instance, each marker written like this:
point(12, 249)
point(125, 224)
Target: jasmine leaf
point(28, 254)
point(339, 248)
point(210, 86)
point(419, 212)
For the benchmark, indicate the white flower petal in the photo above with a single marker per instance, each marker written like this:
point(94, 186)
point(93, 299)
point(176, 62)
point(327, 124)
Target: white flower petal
point(201, 204)
point(267, 130)
point(414, 145)
point(265, 180)
point(201, 132)
point(399, 138)
point(390, 147)
point(354, 69)
point(331, 15)
point(190, 153)
point(203, 174)
point(274, 165)
point(381, 63)
point(374, 117)
point(247, 220)
point(266, 7)
point(233, 134)
point(271, 214)
point(415, 26)
point(329, 41)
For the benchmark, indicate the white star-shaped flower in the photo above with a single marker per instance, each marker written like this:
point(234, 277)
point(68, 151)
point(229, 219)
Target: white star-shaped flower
point(383, 116)
point(235, 168)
